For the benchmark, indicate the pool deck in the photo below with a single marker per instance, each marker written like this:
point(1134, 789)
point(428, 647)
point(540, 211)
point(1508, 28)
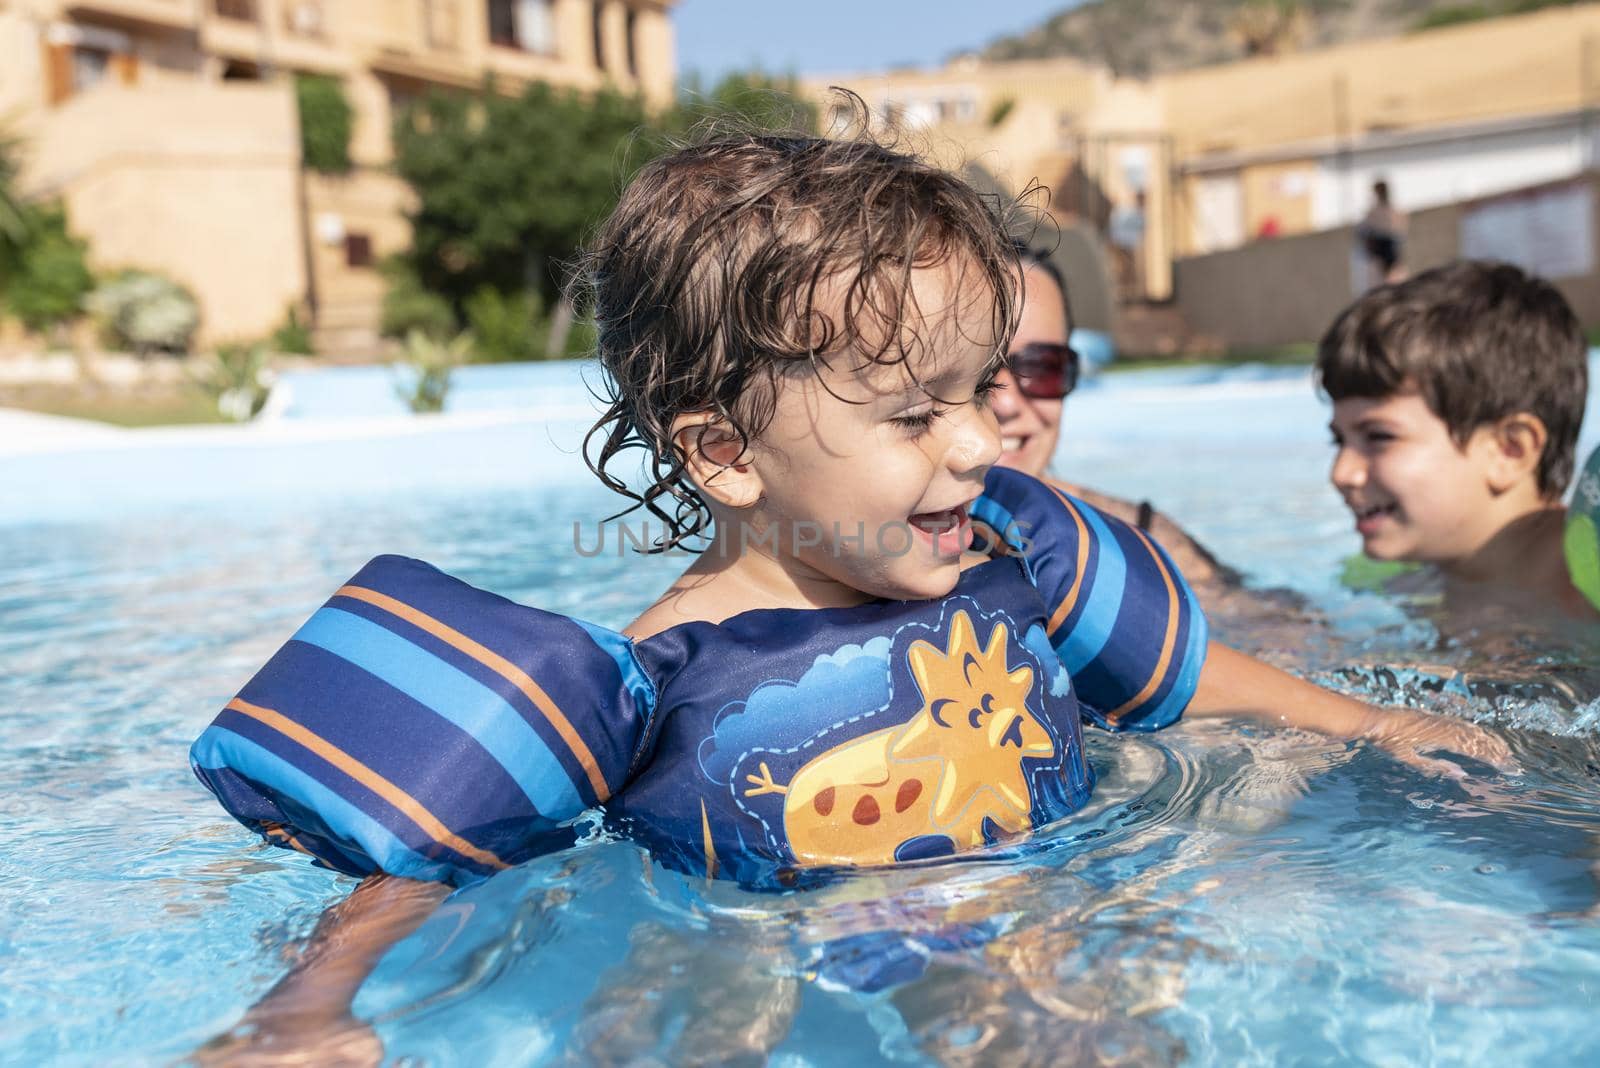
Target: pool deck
point(24, 432)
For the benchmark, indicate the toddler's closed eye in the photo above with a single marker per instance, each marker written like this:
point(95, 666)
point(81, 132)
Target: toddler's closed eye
point(916, 423)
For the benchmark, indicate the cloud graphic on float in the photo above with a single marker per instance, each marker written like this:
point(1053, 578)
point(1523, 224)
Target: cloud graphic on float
point(1057, 682)
point(846, 684)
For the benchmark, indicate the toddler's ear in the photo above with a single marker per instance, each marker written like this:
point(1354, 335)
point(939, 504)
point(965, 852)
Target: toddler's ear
point(1519, 442)
point(717, 459)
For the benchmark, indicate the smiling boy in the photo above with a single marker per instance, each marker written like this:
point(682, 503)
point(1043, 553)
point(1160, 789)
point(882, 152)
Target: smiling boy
point(1457, 399)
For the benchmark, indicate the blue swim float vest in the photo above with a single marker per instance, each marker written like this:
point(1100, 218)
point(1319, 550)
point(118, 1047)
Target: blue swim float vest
point(419, 726)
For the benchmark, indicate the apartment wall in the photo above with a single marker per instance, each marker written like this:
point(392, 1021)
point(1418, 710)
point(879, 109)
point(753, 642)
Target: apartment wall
point(209, 196)
point(1507, 66)
point(164, 165)
point(1290, 289)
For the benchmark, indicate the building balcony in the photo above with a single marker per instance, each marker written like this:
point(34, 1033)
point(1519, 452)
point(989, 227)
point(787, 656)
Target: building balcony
point(236, 10)
point(426, 40)
point(166, 14)
point(289, 35)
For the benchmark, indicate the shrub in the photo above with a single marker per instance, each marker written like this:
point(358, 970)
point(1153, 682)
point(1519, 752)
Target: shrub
point(144, 312)
point(49, 277)
point(325, 121)
point(408, 305)
point(425, 366)
point(293, 336)
point(508, 327)
point(13, 215)
point(239, 377)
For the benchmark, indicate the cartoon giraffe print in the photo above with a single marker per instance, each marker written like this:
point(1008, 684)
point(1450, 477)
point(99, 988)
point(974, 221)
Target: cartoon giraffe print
point(942, 774)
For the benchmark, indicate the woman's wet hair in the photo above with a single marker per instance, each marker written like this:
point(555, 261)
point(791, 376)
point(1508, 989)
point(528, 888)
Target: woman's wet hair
point(746, 257)
point(1478, 342)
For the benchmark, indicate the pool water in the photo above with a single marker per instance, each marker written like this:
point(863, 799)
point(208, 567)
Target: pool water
point(1233, 894)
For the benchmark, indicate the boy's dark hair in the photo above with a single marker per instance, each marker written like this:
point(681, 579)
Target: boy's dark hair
point(707, 287)
point(1478, 341)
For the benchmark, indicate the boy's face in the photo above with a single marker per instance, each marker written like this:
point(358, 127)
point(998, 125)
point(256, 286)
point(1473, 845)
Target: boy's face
point(1415, 494)
point(873, 470)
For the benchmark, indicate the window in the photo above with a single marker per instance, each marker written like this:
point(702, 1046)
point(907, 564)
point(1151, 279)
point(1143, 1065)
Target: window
point(503, 23)
point(358, 250)
point(633, 43)
point(599, 34)
point(89, 67)
point(303, 18)
point(524, 24)
point(243, 10)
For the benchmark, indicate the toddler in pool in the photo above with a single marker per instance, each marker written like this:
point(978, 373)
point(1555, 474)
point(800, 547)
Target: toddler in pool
point(802, 334)
point(1457, 400)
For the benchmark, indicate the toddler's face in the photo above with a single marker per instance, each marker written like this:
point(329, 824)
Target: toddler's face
point(1414, 493)
point(873, 471)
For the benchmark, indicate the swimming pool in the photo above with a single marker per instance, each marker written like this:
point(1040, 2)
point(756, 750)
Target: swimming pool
point(1232, 895)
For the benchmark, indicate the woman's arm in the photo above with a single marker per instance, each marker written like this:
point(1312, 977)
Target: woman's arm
point(305, 1018)
point(1233, 684)
point(1203, 570)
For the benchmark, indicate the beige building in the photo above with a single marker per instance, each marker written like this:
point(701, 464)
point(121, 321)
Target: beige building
point(1273, 146)
point(169, 129)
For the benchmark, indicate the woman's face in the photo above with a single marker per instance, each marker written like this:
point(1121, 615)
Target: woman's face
point(1030, 427)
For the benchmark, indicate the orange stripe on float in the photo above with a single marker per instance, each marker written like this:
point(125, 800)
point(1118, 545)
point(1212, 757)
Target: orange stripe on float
point(500, 666)
point(275, 830)
point(710, 846)
point(396, 797)
point(1168, 643)
point(1070, 601)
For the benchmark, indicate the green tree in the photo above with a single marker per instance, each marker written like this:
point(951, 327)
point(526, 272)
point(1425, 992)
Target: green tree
point(325, 122)
point(747, 98)
point(508, 187)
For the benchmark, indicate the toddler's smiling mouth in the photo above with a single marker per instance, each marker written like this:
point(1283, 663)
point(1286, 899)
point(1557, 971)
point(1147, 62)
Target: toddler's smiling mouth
point(948, 530)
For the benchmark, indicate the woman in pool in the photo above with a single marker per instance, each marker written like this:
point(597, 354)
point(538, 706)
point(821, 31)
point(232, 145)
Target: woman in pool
point(1044, 370)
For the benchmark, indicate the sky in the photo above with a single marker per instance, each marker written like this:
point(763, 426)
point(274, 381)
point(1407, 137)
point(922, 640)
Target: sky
point(840, 36)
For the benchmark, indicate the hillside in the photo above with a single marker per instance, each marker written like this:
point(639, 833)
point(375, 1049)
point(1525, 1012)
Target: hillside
point(1142, 37)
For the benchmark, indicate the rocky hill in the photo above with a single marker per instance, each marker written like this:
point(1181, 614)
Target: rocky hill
point(1142, 37)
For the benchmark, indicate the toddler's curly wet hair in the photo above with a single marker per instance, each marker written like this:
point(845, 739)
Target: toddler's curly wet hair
point(721, 272)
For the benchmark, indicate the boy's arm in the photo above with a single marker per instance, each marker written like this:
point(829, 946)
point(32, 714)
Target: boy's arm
point(306, 1018)
point(1234, 684)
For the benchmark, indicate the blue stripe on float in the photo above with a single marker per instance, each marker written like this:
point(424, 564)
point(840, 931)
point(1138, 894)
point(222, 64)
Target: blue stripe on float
point(620, 649)
point(219, 749)
point(1098, 618)
point(1194, 659)
point(453, 695)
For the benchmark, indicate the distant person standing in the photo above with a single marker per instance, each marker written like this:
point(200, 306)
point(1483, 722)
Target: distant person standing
point(1382, 236)
point(1126, 232)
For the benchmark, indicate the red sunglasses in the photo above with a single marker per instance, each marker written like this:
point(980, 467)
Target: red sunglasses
point(1044, 370)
